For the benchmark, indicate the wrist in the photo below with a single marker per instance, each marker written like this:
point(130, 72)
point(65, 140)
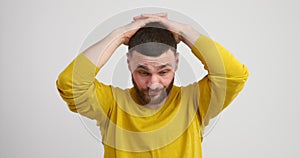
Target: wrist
point(189, 35)
point(117, 36)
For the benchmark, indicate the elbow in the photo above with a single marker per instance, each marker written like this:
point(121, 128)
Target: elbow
point(64, 80)
point(245, 73)
point(64, 85)
point(241, 73)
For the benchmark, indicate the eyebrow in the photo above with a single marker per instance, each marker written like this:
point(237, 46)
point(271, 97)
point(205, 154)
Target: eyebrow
point(160, 67)
point(143, 67)
point(163, 66)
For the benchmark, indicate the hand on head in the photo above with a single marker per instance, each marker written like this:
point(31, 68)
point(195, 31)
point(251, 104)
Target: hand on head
point(141, 20)
point(162, 18)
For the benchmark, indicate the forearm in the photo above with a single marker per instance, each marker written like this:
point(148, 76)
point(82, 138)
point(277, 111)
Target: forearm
point(226, 77)
point(76, 79)
point(189, 35)
point(217, 60)
point(203, 48)
point(79, 77)
point(100, 52)
point(81, 91)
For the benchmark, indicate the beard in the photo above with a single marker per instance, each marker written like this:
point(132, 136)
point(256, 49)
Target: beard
point(144, 96)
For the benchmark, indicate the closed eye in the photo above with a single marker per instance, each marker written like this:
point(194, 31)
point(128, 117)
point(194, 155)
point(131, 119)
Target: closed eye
point(143, 73)
point(164, 72)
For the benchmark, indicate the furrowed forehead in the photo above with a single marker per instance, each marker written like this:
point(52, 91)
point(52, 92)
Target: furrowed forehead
point(166, 59)
point(157, 66)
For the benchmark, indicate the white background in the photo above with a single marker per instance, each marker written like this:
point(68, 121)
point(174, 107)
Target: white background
point(39, 38)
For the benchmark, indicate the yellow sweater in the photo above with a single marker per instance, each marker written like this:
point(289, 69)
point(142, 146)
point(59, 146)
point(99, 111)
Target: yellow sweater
point(175, 130)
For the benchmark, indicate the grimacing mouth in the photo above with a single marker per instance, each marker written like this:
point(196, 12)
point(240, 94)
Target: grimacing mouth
point(144, 95)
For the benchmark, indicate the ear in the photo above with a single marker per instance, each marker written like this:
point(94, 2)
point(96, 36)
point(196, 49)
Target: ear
point(176, 60)
point(128, 61)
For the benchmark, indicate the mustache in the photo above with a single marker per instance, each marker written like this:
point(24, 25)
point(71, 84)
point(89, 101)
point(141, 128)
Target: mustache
point(142, 96)
point(153, 90)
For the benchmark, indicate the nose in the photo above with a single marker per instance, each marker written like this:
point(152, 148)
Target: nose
point(154, 82)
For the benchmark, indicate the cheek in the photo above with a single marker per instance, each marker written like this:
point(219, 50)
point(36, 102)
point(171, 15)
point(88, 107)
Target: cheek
point(142, 82)
point(168, 79)
point(139, 80)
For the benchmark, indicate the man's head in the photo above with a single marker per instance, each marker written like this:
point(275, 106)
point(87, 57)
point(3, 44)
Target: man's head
point(158, 38)
point(152, 60)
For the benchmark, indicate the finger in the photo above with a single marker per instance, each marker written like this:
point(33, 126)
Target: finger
point(177, 38)
point(157, 14)
point(149, 20)
point(163, 14)
point(142, 22)
point(137, 17)
point(143, 16)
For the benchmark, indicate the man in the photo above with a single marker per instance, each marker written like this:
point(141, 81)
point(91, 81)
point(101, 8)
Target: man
point(154, 118)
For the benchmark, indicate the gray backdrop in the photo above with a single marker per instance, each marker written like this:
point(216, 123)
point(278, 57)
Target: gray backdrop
point(39, 38)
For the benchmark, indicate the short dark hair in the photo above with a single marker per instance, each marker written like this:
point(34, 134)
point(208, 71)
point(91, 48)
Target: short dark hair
point(152, 40)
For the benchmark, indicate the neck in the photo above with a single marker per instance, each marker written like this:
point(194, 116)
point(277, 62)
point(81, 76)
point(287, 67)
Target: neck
point(140, 102)
point(155, 106)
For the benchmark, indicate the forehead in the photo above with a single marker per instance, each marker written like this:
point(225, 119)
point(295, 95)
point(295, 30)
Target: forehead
point(166, 58)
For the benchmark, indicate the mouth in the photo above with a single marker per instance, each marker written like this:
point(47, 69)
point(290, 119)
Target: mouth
point(154, 93)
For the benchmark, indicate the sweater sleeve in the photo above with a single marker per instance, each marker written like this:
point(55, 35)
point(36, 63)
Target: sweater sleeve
point(225, 79)
point(82, 92)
